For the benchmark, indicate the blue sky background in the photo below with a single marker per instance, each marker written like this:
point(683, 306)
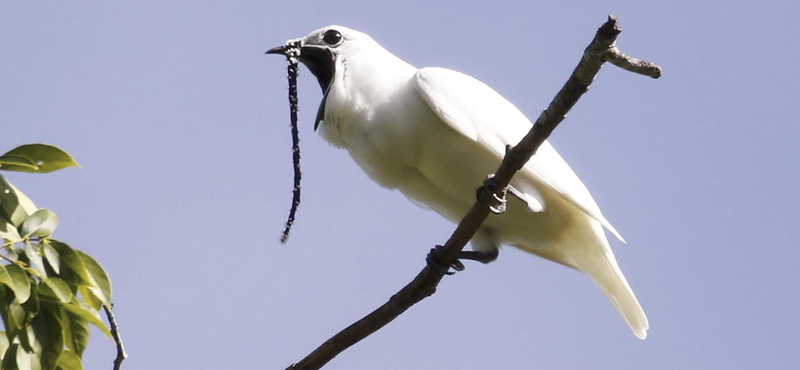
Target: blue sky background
point(181, 125)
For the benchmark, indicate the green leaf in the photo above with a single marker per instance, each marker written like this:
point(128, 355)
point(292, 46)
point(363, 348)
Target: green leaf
point(41, 223)
point(10, 358)
point(102, 288)
point(16, 315)
point(27, 339)
point(73, 261)
point(31, 306)
point(90, 298)
point(14, 205)
point(76, 331)
point(4, 344)
point(35, 259)
point(7, 230)
point(47, 158)
point(49, 338)
point(42, 336)
point(87, 314)
point(52, 257)
point(69, 361)
point(11, 160)
point(56, 288)
point(15, 278)
point(6, 297)
point(28, 361)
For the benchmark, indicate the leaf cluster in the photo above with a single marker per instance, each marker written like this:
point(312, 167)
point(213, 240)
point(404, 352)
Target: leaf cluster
point(50, 293)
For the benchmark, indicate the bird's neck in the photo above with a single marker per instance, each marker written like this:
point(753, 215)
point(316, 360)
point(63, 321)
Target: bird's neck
point(364, 83)
point(374, 75)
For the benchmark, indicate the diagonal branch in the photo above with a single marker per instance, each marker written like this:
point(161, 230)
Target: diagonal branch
point(602, 49)
point(121, 354)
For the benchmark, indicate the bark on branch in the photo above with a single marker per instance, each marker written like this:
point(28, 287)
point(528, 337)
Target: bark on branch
point(112, 321)
point(602, 49)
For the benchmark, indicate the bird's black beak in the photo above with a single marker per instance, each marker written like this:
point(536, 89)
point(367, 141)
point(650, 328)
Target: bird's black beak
point(277, 50)
point(319, 60)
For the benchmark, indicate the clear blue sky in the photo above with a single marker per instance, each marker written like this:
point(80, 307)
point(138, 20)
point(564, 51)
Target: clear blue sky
point(181, 125)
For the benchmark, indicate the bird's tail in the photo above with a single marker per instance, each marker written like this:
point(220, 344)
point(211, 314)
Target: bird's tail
point(601, 266)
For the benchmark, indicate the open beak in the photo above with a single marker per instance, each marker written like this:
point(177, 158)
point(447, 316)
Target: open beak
point(319, 60)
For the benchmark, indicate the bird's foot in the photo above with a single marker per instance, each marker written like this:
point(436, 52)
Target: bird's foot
point(433, 262)
point(490, 185)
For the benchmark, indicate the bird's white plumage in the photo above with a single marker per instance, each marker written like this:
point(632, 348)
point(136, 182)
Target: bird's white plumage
point(479, 113)
point(434, 134)
point(485, 116)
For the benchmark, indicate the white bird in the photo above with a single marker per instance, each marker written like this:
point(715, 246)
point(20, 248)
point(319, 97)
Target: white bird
point(434, 134)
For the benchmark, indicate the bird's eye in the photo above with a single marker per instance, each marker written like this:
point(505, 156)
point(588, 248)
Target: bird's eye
point(332, 37)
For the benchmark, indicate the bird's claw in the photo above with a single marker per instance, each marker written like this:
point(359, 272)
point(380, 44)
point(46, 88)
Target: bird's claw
point(433, 262)
point(490, 185)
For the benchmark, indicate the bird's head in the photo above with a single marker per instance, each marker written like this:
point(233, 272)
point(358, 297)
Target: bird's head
point(320, 49)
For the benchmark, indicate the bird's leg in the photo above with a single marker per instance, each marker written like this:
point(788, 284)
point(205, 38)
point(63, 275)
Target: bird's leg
point(517, 194)
point(490, 185)
point(482, 257)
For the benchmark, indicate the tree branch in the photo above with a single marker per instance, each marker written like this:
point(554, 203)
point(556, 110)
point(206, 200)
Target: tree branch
point(121, 354)
point(601, 50)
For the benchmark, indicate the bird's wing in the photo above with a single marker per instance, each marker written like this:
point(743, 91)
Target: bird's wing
point(476, 111)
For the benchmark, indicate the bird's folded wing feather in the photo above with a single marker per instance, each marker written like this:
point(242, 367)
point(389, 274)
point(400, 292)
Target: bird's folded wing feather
point(479, 113)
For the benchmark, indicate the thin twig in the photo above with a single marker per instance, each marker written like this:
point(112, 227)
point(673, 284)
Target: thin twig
point(292, 55)
point(628, 63)
point(7, 259)
point(425, 283)
point(121, 354)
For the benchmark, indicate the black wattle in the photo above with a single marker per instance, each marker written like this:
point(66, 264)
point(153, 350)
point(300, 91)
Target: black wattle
point(321, 110)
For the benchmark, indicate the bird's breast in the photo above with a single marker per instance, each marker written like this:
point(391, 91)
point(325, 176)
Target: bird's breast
point(382, 130)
